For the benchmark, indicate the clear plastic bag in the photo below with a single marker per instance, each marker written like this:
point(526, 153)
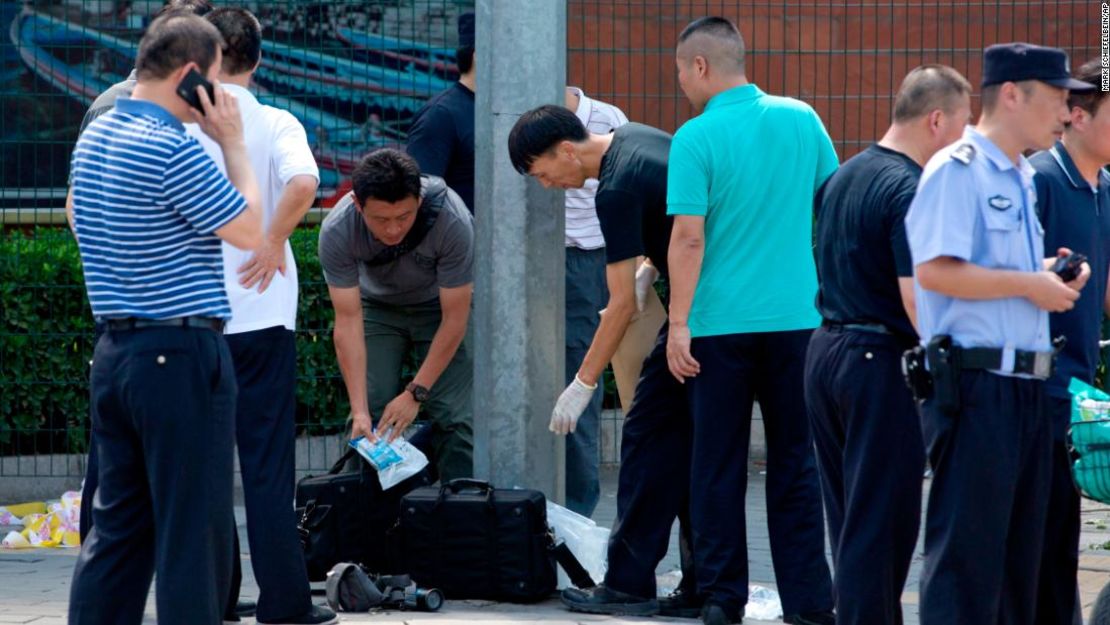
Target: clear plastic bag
point(394, 462)
point(585, 539)
point(763, 604)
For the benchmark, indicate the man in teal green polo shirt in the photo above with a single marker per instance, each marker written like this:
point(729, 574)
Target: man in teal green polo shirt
point(741, 183)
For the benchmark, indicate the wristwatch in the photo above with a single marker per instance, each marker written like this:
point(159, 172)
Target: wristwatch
point(419, 393)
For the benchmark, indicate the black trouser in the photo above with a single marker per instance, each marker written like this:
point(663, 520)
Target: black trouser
point(653, 485)
point(1056, 591)
point(266, 371)
point(737, 369)
point(871, 455)
point(987, 504)
point(88, 486)
point(163, 403)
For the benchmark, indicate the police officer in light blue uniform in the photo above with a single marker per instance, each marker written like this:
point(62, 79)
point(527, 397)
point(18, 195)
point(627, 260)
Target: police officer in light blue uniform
point(983, 295)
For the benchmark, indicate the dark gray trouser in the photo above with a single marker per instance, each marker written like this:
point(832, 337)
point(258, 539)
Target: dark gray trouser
point(735, 370)
point(391, 332)
point(1057, 588)
point(871, 455)
point(163, 406)
point(586, 294)
point(985, 522)
point(266, 371)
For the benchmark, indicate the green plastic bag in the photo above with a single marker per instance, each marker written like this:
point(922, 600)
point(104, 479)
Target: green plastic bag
point(1090, 438)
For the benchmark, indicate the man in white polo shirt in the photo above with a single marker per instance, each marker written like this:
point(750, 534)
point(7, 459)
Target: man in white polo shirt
point(262, 289)
point(586, 294)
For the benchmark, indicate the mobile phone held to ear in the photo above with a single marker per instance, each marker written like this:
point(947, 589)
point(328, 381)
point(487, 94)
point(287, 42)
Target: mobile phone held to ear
point(187, 89)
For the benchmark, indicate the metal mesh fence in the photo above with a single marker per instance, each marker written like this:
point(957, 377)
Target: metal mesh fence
point(354, 72)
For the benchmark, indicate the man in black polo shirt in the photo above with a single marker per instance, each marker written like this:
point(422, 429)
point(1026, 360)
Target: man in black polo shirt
point(551, 144)
point(442, 135)
point(1073, 202)
point(866, 428)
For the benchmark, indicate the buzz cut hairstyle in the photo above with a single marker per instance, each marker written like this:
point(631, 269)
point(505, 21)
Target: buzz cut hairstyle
point(988, 97)
point(541, 129)
point(928, 88)
point(1090, 101)
point(720, 29)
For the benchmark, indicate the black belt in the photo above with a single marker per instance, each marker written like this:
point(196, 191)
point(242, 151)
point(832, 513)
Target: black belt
point(1037, 364)
point(136, 323)
point(872, 328)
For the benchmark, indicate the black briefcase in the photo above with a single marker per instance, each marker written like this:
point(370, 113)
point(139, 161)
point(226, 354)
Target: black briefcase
point(473, 541)
point(345, 517)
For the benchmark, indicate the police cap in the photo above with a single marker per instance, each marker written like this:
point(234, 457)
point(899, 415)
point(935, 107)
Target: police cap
point(1014, 62)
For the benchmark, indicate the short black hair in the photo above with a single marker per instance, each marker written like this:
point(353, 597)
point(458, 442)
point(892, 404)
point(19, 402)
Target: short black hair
point(174, 40)
point(928, 88)
point(541, 129)
point(710, 25)
point(988, 97)
point(242, 35)
point(386, 175)
point(1090, 72)
point(464, 58)
point(196, 7)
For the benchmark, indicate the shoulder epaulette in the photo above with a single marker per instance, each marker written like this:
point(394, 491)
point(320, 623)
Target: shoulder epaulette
point(963, 153)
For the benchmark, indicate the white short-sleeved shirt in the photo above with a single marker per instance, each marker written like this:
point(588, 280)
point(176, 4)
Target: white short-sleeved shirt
point(278, 149)
point(582, 228)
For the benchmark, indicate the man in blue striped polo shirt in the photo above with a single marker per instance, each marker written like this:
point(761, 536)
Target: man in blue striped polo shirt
point(149, 211)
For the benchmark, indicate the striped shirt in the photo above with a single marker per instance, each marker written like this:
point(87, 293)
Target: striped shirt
point(583, 230)
point(147, 200)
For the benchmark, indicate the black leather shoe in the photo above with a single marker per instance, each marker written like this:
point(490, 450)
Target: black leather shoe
point(681, 603)
point(825, 617)
point(602, 600)
point(317, 615)
point(716, 614)
point(245, 608)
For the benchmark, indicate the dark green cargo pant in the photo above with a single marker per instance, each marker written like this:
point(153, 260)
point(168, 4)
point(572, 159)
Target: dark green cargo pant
point(391, 333)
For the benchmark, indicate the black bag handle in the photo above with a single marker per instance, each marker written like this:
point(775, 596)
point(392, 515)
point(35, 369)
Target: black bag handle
point(338, 466)
point(573, 568)
point(459, 484)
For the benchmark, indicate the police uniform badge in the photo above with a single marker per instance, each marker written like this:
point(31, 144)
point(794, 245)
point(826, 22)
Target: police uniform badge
point(963, 153)
point(999, 202)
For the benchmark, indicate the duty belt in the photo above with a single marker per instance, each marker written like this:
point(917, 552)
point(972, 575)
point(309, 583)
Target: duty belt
point(136, 323)
point(1036, 364)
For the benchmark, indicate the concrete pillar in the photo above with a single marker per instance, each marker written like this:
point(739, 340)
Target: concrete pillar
point(519, 290)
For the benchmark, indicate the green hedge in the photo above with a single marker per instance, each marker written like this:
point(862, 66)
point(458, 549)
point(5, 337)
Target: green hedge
point(46, 332)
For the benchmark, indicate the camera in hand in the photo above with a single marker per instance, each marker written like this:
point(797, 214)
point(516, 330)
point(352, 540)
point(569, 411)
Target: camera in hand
point(1068, 267)
point(187, 89)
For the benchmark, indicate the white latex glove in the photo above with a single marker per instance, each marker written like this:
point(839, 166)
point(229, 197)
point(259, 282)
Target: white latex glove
point(572, 403)
point(645, 281)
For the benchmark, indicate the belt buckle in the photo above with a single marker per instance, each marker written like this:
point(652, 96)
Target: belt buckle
point(1042, 364)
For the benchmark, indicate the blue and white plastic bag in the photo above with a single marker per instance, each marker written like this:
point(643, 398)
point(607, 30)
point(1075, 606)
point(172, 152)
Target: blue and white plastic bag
point(394, 462)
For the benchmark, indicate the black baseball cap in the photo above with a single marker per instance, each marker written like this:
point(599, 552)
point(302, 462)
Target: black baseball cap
point(1013, 62)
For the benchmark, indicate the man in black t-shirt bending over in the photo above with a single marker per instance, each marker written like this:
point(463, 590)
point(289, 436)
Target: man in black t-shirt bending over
point(551, 144)
point(866, 429)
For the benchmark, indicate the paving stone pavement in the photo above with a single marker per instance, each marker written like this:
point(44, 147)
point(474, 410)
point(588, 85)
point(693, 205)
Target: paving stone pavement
point(34, 584)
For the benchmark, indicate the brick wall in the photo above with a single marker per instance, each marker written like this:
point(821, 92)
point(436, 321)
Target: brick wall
point(845, 58)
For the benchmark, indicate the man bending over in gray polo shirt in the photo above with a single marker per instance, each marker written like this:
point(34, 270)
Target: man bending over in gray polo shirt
point(398, 257)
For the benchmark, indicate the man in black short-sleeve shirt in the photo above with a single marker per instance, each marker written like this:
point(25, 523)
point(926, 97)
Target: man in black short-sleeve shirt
point(865, 425)
point(441, 138)
point(551, 144)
